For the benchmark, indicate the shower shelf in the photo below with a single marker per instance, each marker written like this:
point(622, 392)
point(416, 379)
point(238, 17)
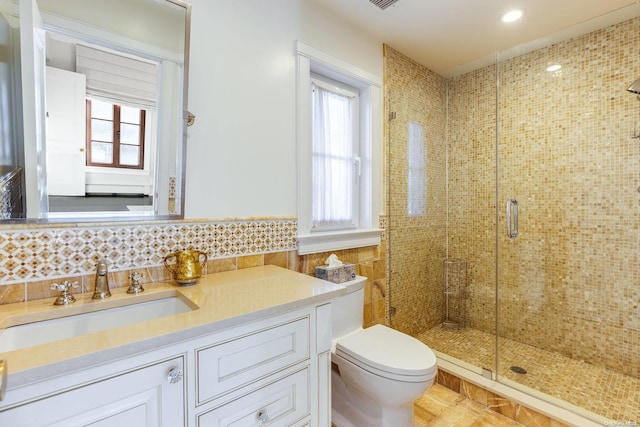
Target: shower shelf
point(455, 293)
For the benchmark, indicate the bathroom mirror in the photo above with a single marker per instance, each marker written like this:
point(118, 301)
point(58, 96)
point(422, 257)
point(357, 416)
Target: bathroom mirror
point(109, 143)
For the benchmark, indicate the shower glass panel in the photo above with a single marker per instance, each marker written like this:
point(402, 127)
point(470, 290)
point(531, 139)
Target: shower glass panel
point(415, 150)
point(450, 215)
point(568, 297)
point(471, 220)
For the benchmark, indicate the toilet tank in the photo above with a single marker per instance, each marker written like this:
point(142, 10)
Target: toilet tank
point(347, 310)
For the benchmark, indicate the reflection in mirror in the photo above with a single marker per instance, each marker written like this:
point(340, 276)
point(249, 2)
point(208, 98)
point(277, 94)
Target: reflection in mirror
point(115, 97)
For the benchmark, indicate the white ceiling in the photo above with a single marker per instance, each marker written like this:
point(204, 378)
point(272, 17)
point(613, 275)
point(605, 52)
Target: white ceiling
point(455, 36)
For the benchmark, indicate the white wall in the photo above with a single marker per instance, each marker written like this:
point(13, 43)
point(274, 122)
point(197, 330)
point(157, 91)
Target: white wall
point(142, 20)
point(241, 159)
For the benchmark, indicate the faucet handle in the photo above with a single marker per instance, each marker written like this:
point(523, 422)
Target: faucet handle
point(64, 288)
point(135, 287)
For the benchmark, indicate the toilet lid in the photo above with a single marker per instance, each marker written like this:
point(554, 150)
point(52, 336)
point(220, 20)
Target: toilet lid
point(387, 350)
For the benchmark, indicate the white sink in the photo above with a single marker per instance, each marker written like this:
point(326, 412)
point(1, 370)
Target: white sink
point(30, 334)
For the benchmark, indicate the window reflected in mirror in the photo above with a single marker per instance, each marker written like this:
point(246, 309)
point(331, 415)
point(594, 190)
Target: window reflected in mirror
point(115, 136)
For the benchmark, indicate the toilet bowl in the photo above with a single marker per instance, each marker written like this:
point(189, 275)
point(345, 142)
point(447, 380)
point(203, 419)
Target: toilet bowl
point(378, 372)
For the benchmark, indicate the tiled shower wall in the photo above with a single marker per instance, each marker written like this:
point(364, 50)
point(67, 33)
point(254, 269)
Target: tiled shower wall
point(569, 281)
point(34, 256)
point(472, 182)
point(415, 96)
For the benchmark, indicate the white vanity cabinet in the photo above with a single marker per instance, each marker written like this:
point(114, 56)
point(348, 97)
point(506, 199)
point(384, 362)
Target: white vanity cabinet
point(263, 374)
point(270, 370)
point(145, 396)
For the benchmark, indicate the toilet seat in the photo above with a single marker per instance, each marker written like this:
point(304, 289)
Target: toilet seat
point(388, 353)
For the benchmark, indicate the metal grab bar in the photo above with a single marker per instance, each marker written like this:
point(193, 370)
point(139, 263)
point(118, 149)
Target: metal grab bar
point(512, 206)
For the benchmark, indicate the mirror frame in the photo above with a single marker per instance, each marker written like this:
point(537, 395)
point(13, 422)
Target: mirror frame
point(187, 120)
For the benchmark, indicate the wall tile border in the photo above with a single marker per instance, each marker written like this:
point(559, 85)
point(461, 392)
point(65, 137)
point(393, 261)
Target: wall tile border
point(33, 254)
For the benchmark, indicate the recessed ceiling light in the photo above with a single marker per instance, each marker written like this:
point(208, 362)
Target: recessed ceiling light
point(513, 15)
point(555, 67)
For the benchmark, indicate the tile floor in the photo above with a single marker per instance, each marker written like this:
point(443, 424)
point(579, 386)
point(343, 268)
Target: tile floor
point(613, 395)
point(440, 407)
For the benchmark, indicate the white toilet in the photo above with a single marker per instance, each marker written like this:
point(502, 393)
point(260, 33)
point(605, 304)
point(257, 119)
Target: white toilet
point(380, 371)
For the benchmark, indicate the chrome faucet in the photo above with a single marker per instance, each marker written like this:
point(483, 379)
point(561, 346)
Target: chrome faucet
point(102, 281)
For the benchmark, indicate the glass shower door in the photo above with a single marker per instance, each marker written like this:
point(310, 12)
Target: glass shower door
point(567, 172)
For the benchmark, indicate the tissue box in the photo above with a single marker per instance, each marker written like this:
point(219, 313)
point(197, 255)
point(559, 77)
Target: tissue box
point(336, 274)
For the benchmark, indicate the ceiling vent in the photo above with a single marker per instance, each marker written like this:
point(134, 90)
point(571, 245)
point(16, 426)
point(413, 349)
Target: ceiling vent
point(383, 4)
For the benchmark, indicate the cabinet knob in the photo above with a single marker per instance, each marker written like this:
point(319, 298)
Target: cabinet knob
point(263, 417)
point(175, 375)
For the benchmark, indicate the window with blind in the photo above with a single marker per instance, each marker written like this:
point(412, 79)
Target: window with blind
point(335, 155)
point(115, 135)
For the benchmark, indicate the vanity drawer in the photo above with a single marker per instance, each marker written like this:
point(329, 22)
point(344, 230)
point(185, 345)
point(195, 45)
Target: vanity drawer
point(281, 403)
point(228, 365)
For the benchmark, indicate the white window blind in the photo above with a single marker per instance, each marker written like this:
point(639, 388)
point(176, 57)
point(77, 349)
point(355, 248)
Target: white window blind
point(335, 160)
point(118, 78)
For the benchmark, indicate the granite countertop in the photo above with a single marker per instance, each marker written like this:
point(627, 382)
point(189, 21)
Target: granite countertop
point(224, 300)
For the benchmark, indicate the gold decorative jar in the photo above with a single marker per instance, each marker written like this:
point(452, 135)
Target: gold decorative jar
point(186, 266)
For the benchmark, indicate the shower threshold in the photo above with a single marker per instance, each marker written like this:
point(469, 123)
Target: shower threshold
point(519, 395)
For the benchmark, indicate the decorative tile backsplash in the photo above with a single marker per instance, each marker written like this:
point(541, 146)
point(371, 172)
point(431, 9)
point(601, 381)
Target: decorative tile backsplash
point(32, 254)
point(32, 257)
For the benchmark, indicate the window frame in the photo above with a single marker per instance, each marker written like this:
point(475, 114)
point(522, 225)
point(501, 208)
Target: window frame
point(115, 164)
point(310, 61)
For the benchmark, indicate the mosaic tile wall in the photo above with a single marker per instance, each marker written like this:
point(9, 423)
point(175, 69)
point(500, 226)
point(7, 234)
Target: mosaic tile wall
point(33, 257)
point(569, 282)
point(471, 196)
point(417, 244)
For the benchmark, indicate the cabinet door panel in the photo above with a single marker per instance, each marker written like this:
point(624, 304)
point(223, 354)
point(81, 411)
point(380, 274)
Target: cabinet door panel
point(142, 397)
point(137, 410)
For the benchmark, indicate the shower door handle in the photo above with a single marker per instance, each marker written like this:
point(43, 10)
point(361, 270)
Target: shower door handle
point(512, 218)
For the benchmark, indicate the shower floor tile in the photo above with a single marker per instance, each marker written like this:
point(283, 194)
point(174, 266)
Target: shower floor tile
point(601, 391)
